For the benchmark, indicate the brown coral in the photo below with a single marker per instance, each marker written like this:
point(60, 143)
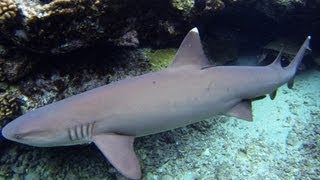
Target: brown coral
point(8, 10)
point(60, 7)
point(8, 106)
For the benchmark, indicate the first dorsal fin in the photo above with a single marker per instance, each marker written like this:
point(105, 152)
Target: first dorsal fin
point(190, 51)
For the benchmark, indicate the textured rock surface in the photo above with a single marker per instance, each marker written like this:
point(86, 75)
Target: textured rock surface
point(14, 68)
point(61, 26)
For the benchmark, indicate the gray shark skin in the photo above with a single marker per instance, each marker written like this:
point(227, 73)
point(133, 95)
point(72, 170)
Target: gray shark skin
point(188, 91)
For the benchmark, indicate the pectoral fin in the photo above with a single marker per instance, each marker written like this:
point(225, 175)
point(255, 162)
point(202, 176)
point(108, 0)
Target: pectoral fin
point(118, 149)
point(242, 110)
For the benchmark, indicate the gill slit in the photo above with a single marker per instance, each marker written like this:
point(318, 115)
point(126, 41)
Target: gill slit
point(81, 132)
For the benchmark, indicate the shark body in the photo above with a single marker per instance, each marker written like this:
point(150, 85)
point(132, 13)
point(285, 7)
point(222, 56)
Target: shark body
point(188, 91)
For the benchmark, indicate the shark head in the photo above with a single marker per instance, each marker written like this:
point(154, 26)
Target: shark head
point(36, 129)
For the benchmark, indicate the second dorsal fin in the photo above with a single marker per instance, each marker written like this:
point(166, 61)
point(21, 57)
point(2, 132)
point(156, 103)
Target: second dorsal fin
point(190, 51)
point(277, 61)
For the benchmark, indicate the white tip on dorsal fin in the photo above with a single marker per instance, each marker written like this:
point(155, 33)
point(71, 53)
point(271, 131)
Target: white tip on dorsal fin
point(190, 51)
point(118, 149)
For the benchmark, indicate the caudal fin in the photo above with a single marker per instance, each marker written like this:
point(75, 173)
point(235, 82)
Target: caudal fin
point(299, 56)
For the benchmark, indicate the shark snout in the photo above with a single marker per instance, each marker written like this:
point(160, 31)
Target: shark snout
point(24, 131)
point(16, 130)
point(8, 132)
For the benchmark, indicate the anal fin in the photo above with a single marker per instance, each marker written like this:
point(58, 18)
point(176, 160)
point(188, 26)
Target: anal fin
point(118, 149)
point(273, 94)
point(290, 83)
point(242, 110)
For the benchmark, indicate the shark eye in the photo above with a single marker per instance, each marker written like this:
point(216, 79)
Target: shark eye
point(17, 136)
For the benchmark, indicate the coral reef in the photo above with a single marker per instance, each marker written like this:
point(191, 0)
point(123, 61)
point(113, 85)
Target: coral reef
point(61, 26)
point(214, 5)
point(16, 67)
point(8, 107)
point(185, 6)
point(191, 8)
point(8, 11)
point(275, 8)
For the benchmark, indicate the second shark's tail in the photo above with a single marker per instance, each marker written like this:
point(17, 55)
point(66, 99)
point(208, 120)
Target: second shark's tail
point(293, 66)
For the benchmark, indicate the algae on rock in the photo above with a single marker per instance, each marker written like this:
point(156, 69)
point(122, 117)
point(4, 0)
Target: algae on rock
point(160, 58)
point(185, 6)
point(61, 26)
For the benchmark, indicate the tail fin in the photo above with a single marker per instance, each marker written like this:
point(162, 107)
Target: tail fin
point(293, 66)
point(299, 56)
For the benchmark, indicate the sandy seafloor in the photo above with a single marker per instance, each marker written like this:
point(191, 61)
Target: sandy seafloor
point(283, 142)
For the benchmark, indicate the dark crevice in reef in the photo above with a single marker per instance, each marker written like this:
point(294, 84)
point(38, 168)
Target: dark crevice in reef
point(251, 29)
point(43, 2)
point(303, 22)
point(97, 57)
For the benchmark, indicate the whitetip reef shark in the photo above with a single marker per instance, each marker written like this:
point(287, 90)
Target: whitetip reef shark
point(188, 91)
